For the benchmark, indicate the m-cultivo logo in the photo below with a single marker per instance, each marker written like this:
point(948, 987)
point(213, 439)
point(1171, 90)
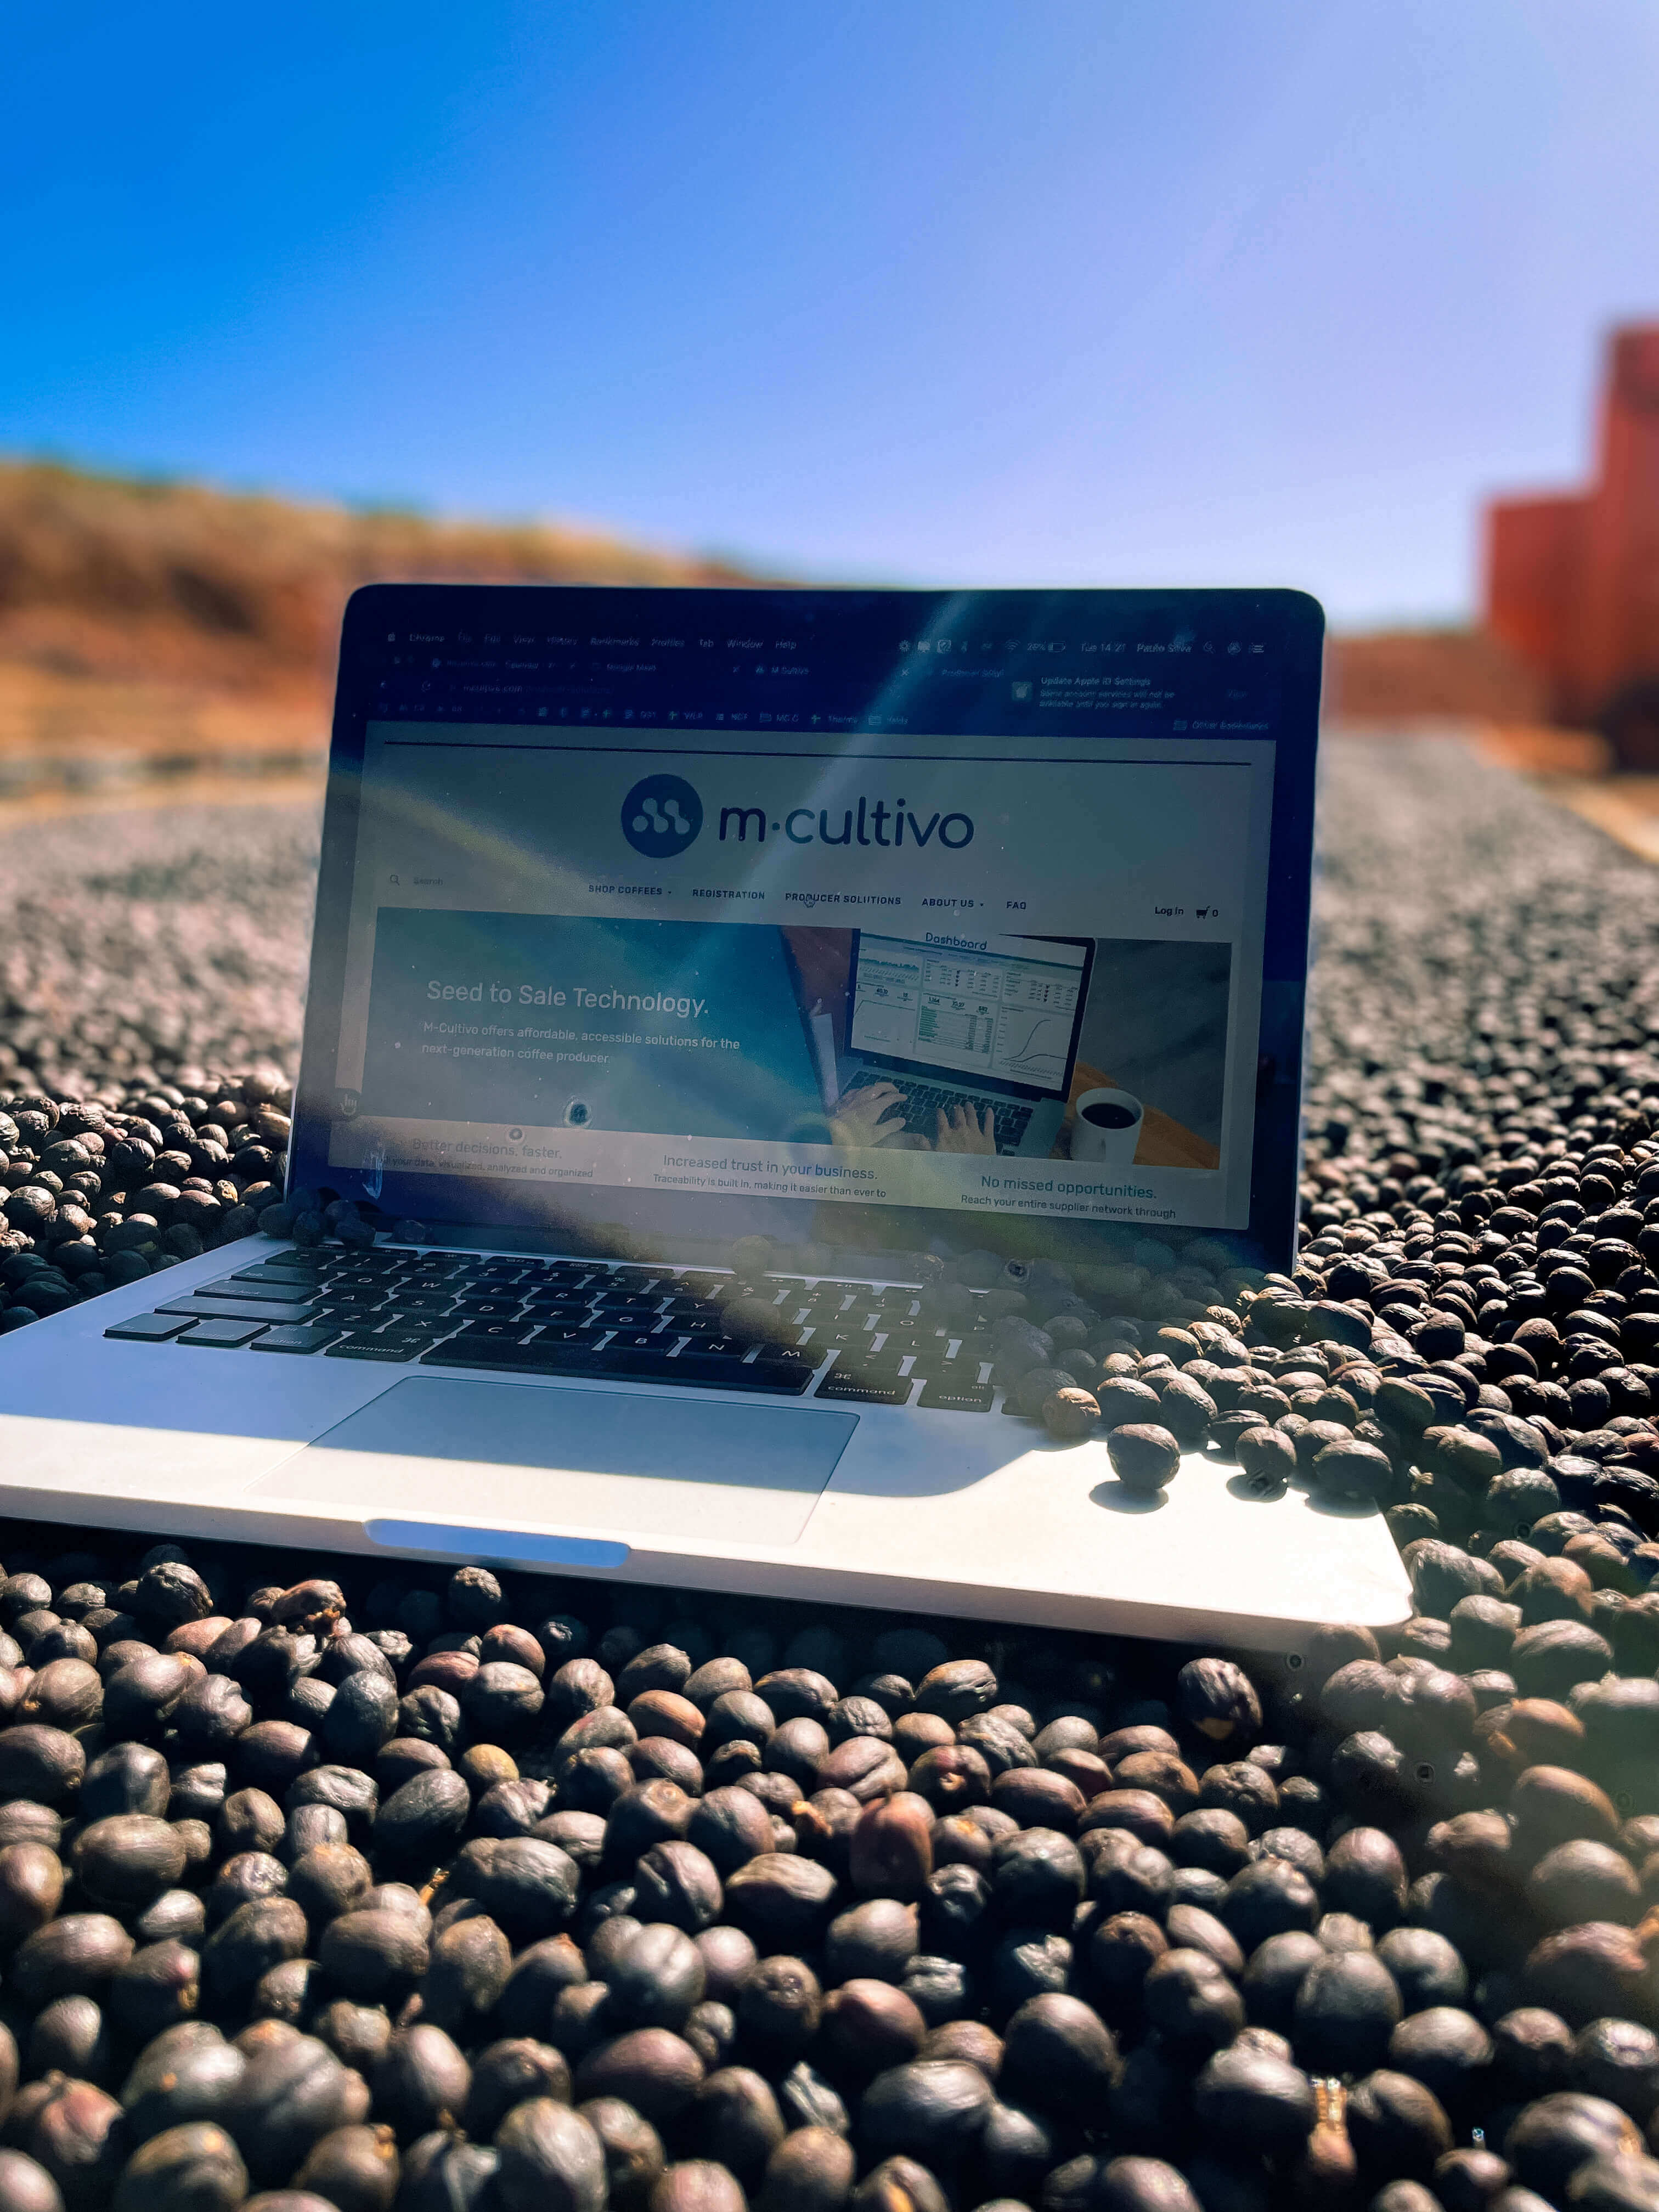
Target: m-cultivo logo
point(662, 814)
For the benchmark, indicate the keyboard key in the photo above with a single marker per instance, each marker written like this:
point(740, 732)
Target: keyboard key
point(850, 1388)
point(539, 1357)
point(637, 1362)
point(200, 1308)
point(239, 1287)
point(689, 1368)
point(925, 1343)
point(534, 1356)
point(782, 1376)
point(148, 1328)
point(295, 1340)
point(843, 1340)
point(496, 1332)
point(395, 1351)
point(711, 1364)
point(791, 1341)
point(945, 1396)
point(882, 1367)
point(783, 1360)
point(221, 1335)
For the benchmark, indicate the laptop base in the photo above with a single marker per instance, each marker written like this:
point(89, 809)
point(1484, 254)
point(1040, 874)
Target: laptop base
point(918, 1508)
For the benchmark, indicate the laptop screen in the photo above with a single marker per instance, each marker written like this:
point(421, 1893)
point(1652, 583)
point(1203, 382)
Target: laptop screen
point(603, 938)
point(1003, 1012)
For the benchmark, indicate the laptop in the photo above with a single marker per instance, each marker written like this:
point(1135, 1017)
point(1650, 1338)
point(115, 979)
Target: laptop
point(625, 896)
point(963, 1025)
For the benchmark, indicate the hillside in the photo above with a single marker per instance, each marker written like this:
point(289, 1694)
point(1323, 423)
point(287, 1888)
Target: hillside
point(173, 624)
point(137, 616)
point(110, 578)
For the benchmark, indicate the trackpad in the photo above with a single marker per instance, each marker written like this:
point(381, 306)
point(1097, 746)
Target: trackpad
point(517, 1455)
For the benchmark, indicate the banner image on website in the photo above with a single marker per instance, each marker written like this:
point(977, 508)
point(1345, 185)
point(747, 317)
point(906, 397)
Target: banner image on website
point(1000, 1073)
point(576, 1023)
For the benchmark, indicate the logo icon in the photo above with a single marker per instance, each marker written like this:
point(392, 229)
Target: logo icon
point(661, 816)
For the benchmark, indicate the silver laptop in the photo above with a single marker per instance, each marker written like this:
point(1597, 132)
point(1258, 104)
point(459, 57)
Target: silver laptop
point(627, 899)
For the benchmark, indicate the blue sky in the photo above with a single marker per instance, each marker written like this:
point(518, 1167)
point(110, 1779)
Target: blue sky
point(1228, 291)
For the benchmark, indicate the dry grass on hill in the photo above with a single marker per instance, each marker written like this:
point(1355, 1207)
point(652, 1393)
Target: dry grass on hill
point(139, 617)
point(172, 622)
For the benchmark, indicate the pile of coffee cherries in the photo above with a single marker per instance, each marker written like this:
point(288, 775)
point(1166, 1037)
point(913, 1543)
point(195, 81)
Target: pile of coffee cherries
point(419, 1891)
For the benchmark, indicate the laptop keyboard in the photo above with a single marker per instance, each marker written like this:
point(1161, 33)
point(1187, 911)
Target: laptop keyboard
point(923, 1103)
point(406, 1308)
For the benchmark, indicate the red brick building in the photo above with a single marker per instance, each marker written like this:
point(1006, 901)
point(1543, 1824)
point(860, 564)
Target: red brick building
point(1573, 578)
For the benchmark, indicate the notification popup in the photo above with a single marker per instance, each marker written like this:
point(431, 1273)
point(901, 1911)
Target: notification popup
point(673, 1028)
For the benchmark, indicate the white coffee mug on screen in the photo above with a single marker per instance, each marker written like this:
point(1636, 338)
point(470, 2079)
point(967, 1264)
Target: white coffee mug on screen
point(1107, 1128)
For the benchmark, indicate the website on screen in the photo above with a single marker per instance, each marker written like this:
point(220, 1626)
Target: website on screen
point(955, 973)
